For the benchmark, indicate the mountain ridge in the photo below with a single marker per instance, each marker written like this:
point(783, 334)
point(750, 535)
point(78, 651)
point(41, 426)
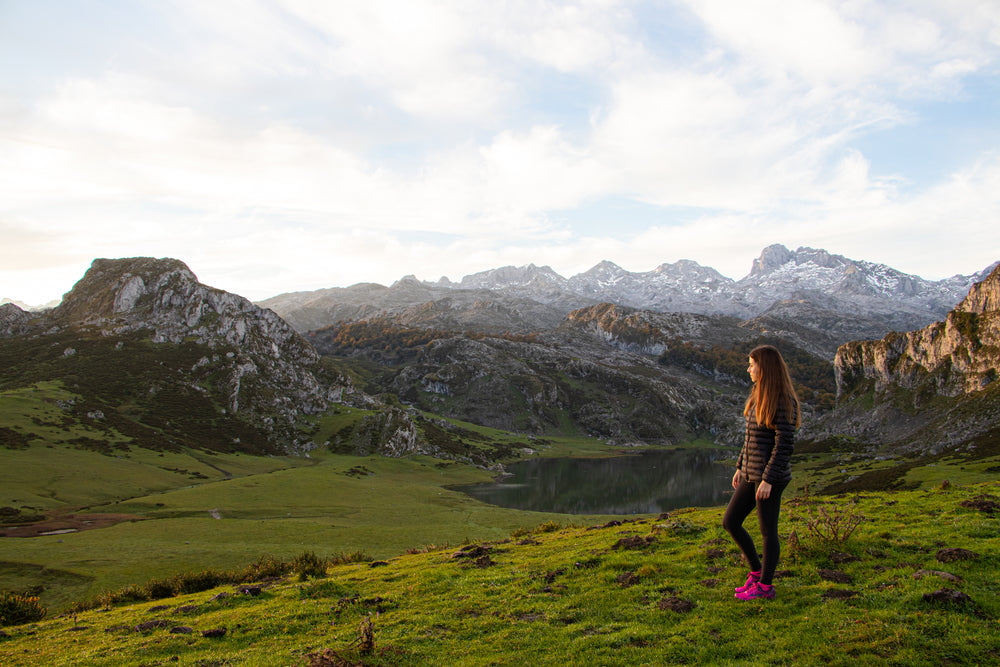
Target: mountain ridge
point(877, 296)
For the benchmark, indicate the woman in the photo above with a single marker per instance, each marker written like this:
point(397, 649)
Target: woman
point(763, 468)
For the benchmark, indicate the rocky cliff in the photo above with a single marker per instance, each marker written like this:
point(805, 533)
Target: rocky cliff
point(923, 392)
point(958, 355)
point(13, 320)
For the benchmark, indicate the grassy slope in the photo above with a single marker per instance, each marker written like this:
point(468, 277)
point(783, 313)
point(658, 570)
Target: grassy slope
point(572, 597)
point(339, 504)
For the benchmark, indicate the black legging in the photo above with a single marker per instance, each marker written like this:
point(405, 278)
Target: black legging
point(743, 502)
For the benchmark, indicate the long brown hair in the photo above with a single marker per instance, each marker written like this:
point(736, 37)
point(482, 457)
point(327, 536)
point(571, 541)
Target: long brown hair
point(773, 389)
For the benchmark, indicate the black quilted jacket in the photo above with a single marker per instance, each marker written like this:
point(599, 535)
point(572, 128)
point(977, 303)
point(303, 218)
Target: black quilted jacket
point(767, 453)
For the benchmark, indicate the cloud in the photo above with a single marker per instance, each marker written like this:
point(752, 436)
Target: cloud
point(382, 138)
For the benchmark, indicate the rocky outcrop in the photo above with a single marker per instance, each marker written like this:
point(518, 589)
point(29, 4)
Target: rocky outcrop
point(13, 320)
point(923, 392)
point(388, 433)
point(958, 355)
point(263, 370)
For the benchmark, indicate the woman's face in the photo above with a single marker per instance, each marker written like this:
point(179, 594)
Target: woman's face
point(753, 370)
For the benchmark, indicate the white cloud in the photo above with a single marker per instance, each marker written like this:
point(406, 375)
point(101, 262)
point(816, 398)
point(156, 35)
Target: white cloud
point(376, 139)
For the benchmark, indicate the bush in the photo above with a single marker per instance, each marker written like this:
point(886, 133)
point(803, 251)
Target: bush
point(126, 595)
point(266, 567)
point(195, 582)
point(353, 557)
point(308, 565)
point(16, 609)
point(549, 527)
point(833, 527)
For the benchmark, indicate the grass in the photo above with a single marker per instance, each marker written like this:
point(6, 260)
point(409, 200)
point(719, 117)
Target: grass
point(647, 591)
point(337, 504)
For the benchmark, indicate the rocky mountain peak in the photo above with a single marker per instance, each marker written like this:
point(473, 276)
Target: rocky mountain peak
point(512, 277)
point(984, 297)
point(113, 286)
point(13, 319)
point(132, 294)
point(264, 369)
point(771, 258)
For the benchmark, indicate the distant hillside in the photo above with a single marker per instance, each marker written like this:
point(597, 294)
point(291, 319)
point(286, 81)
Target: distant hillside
point(607, 371)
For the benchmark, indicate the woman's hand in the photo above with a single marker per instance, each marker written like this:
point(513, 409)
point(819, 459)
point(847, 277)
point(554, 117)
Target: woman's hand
point(736, 479)
point(763, 491)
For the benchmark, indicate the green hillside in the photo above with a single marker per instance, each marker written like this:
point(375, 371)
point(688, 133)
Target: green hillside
point(913, 584)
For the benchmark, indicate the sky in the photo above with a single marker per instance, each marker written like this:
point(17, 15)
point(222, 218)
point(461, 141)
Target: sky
point(288, 145)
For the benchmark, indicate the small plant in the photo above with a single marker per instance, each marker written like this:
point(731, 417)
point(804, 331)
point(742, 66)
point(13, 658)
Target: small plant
point(16, 609)
point(353, 557)
point(835, 526)
point(678, 527)
point(366, 636)
point(549, 527)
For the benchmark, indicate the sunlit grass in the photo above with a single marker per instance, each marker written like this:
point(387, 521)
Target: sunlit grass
point(573, 595)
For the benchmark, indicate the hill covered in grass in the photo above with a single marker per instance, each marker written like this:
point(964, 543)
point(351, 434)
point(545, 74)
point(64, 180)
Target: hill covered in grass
point(899, 578)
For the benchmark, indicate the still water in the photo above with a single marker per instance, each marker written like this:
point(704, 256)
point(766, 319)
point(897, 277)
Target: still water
point(647, 482)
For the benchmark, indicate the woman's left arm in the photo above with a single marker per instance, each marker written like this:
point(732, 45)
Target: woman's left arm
point(781, 453)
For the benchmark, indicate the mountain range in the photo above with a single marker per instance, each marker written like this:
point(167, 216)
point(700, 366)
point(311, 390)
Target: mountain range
point(842, 298)
point(156, 357)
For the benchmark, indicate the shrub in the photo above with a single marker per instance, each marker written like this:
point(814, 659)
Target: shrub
point(131, 593)
point(16, 609)
point(832, 527)
point(549, 527)
point(159, 589)
point(195, 582)
point(307, 565)
point(266, 567)
point(353, 557)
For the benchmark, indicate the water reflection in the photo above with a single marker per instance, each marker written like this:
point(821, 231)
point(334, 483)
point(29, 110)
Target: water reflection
point(647, 482)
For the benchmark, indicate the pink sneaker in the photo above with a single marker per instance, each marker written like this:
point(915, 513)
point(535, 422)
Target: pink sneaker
point(752, 578)
point(757, 591)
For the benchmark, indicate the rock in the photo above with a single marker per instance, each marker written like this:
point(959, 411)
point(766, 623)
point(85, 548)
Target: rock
point(13, 320)
point(951, 555)
point(920, 574)
point(836, 576)
point(634, 542)
point(627, 579)
point(948, 596)
point(677, 604)
point(985, 503)
point(472, 551)
point(268, 375)
point(151, 625)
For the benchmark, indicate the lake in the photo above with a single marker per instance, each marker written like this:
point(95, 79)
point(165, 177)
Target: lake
point(647, 482)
